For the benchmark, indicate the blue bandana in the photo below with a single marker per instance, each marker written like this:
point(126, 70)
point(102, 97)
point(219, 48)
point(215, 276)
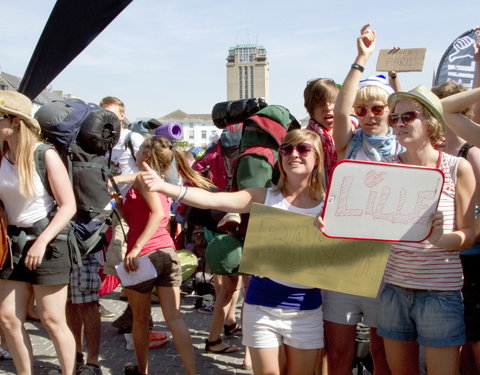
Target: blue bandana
point(374, 146)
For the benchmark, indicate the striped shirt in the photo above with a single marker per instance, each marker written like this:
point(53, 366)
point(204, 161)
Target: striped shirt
point(422, 265)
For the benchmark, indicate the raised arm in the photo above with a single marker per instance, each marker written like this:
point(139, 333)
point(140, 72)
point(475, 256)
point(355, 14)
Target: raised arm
point(453, 105)
point(239, 201)
point(476, 82)
point(342, 125)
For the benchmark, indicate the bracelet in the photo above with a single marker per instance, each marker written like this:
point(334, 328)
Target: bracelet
point(179, 194)
point(393, 76)
point(358, 67)
point(183, 195)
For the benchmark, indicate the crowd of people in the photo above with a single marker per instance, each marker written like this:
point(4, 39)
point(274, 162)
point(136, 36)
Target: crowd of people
point(429, 298)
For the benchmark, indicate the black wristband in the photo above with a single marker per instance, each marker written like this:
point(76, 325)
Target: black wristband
point(358, 67)
point(393, 76)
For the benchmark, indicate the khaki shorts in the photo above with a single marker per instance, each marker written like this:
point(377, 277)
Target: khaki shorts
point(169, 272)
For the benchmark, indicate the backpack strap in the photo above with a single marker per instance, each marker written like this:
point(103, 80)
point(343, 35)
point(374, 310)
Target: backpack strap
point(129, 144)
point(39, 157)
point(463, 152)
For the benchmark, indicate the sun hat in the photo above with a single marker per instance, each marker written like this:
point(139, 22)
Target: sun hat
point(379, 81)
point(16, 104)
point(424, 96)
point(223, 254)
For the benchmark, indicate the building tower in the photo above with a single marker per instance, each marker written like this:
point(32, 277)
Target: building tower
point(247, 72)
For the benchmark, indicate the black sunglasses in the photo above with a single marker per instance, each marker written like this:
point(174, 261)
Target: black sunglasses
point(303, 149)
point(406, 117)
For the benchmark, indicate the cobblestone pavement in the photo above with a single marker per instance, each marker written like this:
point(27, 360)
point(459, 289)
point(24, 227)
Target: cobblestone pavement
point(113, 353)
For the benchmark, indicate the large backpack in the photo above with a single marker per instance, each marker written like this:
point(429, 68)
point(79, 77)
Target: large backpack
point(82, 134)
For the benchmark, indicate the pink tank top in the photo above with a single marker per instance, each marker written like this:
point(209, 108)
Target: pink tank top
point(137, 213)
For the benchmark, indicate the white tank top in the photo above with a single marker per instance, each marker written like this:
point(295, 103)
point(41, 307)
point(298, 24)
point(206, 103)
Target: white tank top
point(20, 211)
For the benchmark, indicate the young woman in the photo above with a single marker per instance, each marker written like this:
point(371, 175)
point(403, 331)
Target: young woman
point(41, 264)
point(421, 303)
point(371, 140)
point(272, 307)
point(147, 214)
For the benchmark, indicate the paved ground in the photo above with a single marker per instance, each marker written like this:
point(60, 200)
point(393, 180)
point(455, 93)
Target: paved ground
point(113, 354)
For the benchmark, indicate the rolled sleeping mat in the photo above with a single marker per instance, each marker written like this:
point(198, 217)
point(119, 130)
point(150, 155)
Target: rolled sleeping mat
point(99, 132)
point(172, 131)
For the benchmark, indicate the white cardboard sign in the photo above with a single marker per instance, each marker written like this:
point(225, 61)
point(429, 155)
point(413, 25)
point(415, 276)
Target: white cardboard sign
point(381, 201)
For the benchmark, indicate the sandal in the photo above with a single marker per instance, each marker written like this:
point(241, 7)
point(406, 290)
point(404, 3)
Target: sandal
point(227, 349)
point(231, 329)
point(4, 354)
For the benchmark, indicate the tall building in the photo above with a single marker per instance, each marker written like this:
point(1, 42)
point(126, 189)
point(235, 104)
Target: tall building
point(247, 72)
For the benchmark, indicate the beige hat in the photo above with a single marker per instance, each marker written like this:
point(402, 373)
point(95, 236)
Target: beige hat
point(16, 104)
point(424, 96)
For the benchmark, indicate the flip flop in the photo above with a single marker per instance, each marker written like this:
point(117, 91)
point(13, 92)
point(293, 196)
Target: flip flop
point(227, 349)
point(231, 329)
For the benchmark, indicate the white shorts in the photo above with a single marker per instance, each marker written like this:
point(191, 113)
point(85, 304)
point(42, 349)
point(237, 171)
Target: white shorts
point(348, 309)
point(268, 327)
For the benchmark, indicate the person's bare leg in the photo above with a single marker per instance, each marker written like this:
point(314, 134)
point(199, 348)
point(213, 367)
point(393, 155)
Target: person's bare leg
point(170, 303)
point(92, 326)
point(14, 297)
point(140, 304)
point(442, 361)
point(265, 361)
point(340, 344)
point(51, 303)
point(377, 350)
point(402, 357)
point(301, 361)
point(223, 299)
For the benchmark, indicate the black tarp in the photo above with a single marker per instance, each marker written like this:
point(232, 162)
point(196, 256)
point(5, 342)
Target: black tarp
point(72, 25)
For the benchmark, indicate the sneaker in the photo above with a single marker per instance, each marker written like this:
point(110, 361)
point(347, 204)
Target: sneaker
point(89, 369)
point(4, 354)
point(208, 310)
point(104, 313)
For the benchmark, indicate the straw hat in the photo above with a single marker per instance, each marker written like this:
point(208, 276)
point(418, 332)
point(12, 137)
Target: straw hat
point(16, 104)
point(424, 96)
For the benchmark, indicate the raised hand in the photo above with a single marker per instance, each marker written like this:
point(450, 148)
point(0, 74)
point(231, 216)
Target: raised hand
point(366, 41)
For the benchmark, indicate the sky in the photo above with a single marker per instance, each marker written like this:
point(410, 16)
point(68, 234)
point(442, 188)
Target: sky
point(162, 55)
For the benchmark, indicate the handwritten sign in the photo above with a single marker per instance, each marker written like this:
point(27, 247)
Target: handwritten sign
point(401, 60)
point(284, 245)
point(390, 202)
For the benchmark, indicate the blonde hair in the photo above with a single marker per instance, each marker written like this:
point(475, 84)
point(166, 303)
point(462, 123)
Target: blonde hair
point(435, 129)
point(28, 138)
point(162, 153)
point(316, 182)
point(368, 93)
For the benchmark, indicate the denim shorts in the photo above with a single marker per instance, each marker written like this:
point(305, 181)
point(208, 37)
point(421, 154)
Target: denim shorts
point(432, 318)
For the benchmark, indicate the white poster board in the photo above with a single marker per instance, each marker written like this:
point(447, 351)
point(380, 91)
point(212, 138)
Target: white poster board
point(380, 201)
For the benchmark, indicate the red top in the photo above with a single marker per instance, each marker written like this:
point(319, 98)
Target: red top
point(137, 213)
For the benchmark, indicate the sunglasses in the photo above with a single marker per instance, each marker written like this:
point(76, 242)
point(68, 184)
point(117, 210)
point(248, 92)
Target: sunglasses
point(4, 116)
point(361, 110)
point(303, 149)
point(406, 117)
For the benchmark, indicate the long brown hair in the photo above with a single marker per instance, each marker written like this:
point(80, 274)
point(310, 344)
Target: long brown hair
point(162, 153)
